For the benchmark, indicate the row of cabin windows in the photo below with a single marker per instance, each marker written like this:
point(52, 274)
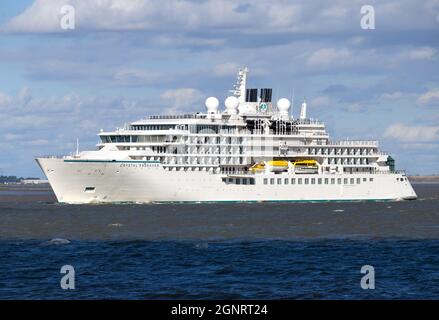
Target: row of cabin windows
point(315, 180)
point(152, 127)
point(132, 138)
point(342, 151)
point(240, 180)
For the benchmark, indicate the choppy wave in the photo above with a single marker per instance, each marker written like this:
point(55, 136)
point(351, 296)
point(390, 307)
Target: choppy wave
point(57, 241)
point(268, 269)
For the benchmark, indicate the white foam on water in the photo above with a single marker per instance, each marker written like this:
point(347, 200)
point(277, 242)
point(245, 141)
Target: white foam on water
point(57, 241)
point(203, 245)
point(117, 225)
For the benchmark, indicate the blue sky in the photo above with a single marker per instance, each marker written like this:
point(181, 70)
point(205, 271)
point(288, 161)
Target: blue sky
point(128, 59)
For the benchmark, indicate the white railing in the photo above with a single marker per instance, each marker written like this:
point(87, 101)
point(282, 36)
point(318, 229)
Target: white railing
point(354, 143)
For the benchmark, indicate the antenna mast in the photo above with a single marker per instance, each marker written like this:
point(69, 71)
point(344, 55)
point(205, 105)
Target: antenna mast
point(240, 86)
point(292, 105)
point(77, 147)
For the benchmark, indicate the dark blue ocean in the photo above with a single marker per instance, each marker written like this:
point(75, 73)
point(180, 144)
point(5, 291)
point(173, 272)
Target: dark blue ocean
point(219, 251)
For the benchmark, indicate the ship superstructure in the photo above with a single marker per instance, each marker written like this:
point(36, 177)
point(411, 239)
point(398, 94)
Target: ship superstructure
point(249, 150)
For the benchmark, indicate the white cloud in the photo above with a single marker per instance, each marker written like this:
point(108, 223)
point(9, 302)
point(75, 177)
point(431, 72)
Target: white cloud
point(405, 133)
point(136, 77)
point(282, 15)
point(335, 12)
point(88, 126)
point(320, 101)
point(12, 137)
point(25, 95)
point(181, 98)
point(355, 108)
point(424, 53)
point(64, 113)
point(176, 40)
point(429, 97)
point(40, 16)
point(226, 69)
point(36, 142)
point(5, 99)
point(44, 15)
point(356, 40)
point(257, 16)
point(327, 56)
point(392, 95)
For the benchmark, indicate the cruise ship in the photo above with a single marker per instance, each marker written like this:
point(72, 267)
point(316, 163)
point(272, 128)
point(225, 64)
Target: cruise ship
point(247, 148)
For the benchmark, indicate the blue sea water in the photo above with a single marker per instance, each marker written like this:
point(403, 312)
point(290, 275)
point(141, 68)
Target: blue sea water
point(324, 269)
point(221, 251)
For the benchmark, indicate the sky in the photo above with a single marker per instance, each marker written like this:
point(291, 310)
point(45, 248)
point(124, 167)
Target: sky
point(125, 60)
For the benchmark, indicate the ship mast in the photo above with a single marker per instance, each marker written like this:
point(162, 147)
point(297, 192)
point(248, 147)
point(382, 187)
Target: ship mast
point(240, 86)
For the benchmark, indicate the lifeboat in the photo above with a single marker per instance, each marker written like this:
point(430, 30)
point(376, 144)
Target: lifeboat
point(272, 165)
point(258, 167)
point(277, 165)
point(305, 166)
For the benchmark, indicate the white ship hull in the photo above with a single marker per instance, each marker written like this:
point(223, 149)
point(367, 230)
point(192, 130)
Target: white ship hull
point(101, 181)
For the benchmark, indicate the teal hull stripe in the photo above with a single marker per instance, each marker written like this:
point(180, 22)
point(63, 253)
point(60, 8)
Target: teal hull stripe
point(261, 201)
point(240, 201)
point(115, 161)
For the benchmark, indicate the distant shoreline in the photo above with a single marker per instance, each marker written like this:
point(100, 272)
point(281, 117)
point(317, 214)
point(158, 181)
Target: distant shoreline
point(432, 178)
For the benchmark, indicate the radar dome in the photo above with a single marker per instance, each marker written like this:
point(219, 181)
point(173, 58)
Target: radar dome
point(212, 104)
point(283, 104)
point(231, 103)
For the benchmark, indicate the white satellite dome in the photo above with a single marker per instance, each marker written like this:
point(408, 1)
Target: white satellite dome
point(231, 103)
point(283, 105)
point(212, 104)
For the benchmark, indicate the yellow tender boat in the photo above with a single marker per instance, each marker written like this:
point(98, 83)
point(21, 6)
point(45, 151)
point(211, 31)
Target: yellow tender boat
point(307, 163)
point(300, 166)
point(305, 166)
point(258, 167)
point(272, 165)
point(278, 163)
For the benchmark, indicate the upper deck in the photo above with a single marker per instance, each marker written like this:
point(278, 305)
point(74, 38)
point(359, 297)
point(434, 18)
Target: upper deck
point(247, 129)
